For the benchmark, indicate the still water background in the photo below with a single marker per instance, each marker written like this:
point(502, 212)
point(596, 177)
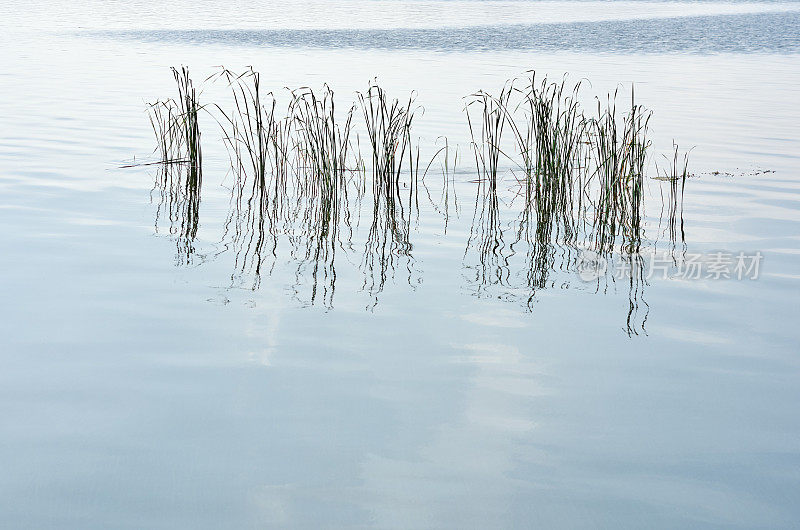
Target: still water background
point(140, 391)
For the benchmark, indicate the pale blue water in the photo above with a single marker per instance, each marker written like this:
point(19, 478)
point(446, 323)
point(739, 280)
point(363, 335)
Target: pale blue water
point(734, 33)
point(139, 391)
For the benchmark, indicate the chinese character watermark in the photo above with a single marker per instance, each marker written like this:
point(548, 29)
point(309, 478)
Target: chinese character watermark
point(716, 265)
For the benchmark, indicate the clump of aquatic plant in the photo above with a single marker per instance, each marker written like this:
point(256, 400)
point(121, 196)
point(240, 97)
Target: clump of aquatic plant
point(179, 178)
point(252, 129)
point(487, 116)
point(549, 131)
point(323, 141)
point(164, 121)
point(176, 125)
point(582, 182)
point(619, 145)
point(257, 149)
point(551, 140)
point(553, 149)
point(188, 114)
point(292, 175)
point(388, 126)
point(675, 175)
point(554, 152)
point(328, 171)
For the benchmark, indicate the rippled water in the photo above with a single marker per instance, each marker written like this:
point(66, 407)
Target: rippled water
point(145, 387)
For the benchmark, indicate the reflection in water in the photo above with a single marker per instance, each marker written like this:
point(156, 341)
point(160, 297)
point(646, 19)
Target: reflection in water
point(179, 189)
point(638, 308)
point(299, 180)
point(486, 240)
point(629, 271)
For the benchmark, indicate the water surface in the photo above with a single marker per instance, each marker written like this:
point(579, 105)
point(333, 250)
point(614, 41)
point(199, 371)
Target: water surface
point(146, 387)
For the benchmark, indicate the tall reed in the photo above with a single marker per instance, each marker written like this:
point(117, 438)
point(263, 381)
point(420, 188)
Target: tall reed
point(179, 179)
point(300, 175)
point(388, 126)
point(258, 158)
point(675, 175)
point(492, 115)
point(619, 147)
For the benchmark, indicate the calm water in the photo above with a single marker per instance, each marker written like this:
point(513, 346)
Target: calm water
point(429, 386)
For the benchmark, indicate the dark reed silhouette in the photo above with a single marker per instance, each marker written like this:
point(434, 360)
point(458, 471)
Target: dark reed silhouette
point(576, 184)
point(179, 178)
point(394, 191)
point(674, 176)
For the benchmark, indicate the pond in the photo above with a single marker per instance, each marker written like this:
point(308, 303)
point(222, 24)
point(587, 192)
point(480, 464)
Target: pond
point(459, 337)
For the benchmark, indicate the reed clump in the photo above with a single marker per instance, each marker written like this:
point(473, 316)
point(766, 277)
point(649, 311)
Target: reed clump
point(551, 142)
point(388, 125)
point(582, 176)
point(326, 168)
point(179, 179)
point(323, 141)
point(251, 132)
point(554, 153)
point(487, 116)
point(619, 145)
point(388, 122)
point(296, 171)
point(175, 122)
point(675, 175)
point(299, 176)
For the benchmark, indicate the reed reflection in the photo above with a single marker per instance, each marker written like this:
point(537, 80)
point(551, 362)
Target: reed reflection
point(487, 119)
